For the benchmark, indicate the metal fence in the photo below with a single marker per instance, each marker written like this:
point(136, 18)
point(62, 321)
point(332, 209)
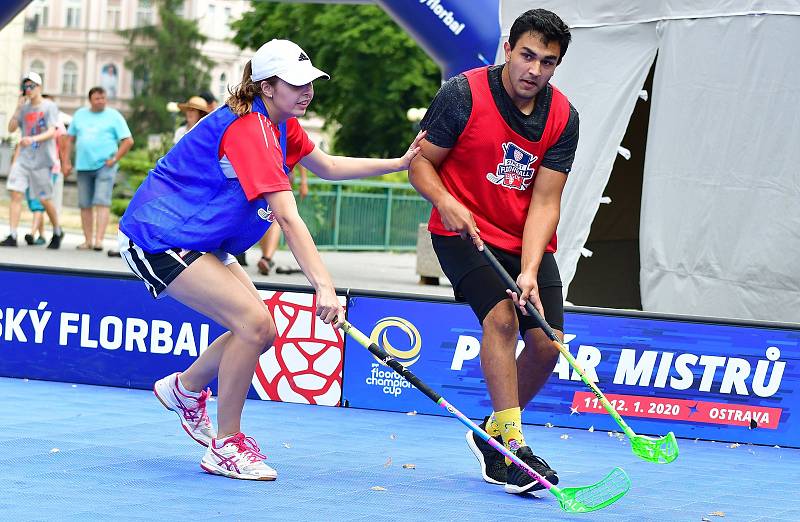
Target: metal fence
point(363, 215)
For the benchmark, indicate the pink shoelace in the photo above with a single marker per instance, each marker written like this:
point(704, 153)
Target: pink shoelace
point(201, 406)
point(199, 414)
point(247, 446)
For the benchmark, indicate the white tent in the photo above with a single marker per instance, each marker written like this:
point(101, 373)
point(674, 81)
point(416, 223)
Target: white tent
point(720, 219)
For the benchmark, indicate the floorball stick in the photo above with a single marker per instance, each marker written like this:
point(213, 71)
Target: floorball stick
point(661, 450)
point(574, 499)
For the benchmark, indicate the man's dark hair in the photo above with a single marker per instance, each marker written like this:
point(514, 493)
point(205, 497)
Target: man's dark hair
point(95, 90)
point(544, 22)
point(208, 97)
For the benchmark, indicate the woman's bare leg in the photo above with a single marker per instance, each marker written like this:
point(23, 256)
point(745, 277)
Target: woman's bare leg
point(206, 368)
point(219, 293)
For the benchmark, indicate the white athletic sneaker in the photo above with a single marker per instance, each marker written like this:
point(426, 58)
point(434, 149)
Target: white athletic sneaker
point(191, 409)
point(238, 457)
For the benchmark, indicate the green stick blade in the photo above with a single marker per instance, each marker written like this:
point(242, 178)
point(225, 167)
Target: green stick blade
point(659, 450)
point(597, 496)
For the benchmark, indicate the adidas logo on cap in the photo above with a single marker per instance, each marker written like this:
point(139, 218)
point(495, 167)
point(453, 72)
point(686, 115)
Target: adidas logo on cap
point(287, 61)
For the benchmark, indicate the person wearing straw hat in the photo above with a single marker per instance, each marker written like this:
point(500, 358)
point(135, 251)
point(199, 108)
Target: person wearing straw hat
point(213, 195)
point(193, 109)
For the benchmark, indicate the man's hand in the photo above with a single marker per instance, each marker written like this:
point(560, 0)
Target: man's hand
point(66, 168)
point(456, 218)
point(26, 141)
point(529, 285)
point(110, 162)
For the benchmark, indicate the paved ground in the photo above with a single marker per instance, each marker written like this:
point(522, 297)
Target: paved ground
point(381, 271)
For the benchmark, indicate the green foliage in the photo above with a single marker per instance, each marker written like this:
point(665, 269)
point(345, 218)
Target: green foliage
point(377, 71)
point(135, 165)
point(167, 65)
point(133, 168)
point(393, 177)
point(396, 181)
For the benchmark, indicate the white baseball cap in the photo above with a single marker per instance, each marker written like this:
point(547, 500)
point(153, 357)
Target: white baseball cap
point(287, 61)
point(34, 77)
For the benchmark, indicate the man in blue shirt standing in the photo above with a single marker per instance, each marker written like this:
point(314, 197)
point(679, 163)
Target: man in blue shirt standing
point(102, 138)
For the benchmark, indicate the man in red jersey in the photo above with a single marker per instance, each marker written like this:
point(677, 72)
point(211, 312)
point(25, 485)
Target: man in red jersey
point(500, 143)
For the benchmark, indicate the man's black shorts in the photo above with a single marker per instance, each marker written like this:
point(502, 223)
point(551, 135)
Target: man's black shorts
point(476, 283)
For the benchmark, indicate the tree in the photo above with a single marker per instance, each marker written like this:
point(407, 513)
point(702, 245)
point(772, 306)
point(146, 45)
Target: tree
point(167, 65)
point(377, 71)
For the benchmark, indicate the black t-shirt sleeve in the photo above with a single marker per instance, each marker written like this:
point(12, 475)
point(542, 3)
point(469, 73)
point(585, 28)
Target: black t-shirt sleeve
point(448, 113)
point(560, 156)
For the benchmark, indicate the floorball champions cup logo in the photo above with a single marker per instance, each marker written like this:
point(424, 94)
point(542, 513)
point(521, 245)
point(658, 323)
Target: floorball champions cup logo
point(379, 336)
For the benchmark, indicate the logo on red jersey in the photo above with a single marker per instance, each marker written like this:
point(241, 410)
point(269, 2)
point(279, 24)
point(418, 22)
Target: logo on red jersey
point(517, 169)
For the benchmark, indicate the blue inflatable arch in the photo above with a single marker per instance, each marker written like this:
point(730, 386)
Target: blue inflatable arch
point(458, 35)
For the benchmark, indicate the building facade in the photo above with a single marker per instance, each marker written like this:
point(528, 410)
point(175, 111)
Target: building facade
point(74, 45)
point(10, 70)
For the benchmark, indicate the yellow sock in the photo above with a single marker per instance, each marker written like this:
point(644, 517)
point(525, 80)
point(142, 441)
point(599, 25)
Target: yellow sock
point(509, 423)
point(491, 426)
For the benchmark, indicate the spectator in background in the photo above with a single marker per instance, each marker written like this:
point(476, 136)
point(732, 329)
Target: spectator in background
point(36, 117)
point(269, 243)
point(194, 109)
point(36, 235)
point(57, 149)
point(36, 208)
point(102, 138)
point(210, 100)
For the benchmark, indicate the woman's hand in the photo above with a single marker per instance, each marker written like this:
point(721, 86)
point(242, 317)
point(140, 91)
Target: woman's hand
point(412, 151)
point(329, 309)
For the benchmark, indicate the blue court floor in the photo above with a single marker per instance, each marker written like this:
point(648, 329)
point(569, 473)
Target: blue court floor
point(78, 452)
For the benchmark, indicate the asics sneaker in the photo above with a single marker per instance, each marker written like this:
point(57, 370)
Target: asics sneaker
point(191, 409)
point(237, 457)
point(518, 482)
point(493, 464)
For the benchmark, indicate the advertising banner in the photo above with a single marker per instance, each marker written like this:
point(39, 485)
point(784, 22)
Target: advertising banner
point(457, 35)
point(712, 381)
point(94, 329)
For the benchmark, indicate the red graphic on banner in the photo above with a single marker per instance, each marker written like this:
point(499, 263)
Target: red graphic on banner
point(681, 409)
point(305, 364)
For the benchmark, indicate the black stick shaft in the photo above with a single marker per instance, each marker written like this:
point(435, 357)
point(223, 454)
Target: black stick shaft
point(512, 285)
point(392, 363)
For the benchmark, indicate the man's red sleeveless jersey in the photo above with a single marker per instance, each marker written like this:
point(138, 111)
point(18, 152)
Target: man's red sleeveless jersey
point(491, 168)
